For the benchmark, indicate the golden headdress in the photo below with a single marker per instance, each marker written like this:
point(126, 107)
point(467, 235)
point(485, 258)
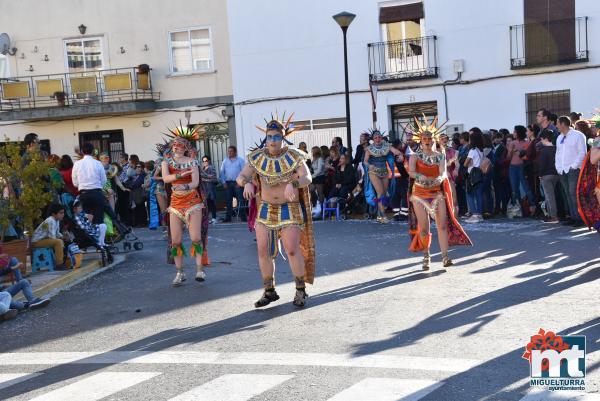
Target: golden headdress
point(419, 129)
point(286, 127)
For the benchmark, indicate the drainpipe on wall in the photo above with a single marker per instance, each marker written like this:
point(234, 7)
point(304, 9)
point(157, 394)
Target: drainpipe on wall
point(457, 80)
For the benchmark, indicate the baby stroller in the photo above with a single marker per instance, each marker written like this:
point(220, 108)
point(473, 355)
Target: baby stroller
point(122, 233)
point(80, 236)
point(117, 232)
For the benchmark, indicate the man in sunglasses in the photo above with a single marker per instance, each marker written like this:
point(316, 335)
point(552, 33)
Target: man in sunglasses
point(275, 181)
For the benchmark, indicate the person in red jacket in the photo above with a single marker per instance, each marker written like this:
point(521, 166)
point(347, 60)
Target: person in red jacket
point(65, 168)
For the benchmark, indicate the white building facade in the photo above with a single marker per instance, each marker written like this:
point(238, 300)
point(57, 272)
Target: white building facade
point(475, 63)
point(92, 53)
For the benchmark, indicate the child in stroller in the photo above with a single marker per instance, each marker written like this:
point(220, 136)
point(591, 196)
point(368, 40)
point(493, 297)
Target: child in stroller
point(116, 231)
point(84, 222)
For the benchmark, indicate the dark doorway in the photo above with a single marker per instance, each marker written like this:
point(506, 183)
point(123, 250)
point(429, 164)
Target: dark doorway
point(110, 142)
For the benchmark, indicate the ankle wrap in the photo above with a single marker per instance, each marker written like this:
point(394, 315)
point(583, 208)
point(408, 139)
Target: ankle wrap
point(178, 250)
point(269, 283)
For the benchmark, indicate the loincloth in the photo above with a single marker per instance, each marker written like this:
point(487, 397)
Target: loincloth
point(184, 203)
point(275, 217)
point(379, 172)
point(429, 198)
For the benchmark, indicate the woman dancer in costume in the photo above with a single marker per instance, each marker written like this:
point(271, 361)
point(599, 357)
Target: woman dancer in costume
point(588, 185)
point(431, 197)
point(379, 161)
point(185, 208)
point(280, 208)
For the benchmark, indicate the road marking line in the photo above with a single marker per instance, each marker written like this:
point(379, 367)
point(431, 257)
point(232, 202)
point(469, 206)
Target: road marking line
point(96, 387)
point(8, 379)
point(234, 387)
point(240, 358)
point(387, 390)
point(546, 395)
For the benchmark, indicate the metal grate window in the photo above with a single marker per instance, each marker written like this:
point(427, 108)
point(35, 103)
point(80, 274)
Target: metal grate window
point(110, 142)
point(403, 114)
point(557, 102)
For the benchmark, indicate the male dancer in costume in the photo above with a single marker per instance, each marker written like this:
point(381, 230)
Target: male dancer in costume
point(185, 207)
point(281, 207)
point(431, 197)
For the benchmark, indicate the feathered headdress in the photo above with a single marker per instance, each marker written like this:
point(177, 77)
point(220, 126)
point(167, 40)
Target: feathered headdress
point(286, 127)
point(183, 135)
point(182, 132)
point(374, 132)
point(161, 148)
point(421, 128)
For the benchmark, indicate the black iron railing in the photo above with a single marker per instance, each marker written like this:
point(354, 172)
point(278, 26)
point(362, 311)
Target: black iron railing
point(76, 89)
point(403, 59)
point(549, 43)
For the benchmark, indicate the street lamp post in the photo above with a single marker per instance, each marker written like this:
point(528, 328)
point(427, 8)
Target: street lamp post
point(344, 19)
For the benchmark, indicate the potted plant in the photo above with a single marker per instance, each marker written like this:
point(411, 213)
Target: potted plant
point(23, 195)
point(60, 97)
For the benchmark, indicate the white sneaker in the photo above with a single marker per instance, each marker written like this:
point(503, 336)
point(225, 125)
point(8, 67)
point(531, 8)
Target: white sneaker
point(474, 219)
point(200, 275)
point(317, 210)
point(213, 221)
point(179, 279)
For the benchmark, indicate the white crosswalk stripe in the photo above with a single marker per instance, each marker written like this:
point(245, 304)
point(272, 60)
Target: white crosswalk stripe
point(236, 387)
point(384, 389)
point(231, 387)
point(96, 387)
point(241, 358)
point(8, 379)
point(545, 395)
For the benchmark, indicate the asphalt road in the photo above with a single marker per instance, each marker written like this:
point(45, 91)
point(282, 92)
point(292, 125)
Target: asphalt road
point(375, 327)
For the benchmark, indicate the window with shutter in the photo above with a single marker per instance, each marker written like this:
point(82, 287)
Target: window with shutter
point(549, 31)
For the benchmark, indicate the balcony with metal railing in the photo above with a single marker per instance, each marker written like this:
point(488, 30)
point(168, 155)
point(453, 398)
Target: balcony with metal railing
point(403, 60)
point(549, 43)
point(77, 95)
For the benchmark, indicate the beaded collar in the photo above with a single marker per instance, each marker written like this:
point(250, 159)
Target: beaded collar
point(276, 169)
point(179, 166)
point(431, 160)
point(383, 150)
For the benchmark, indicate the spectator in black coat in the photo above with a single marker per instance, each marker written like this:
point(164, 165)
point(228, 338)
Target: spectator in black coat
point(344, 180)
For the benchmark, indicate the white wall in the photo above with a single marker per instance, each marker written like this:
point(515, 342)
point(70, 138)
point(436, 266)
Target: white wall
point(137, 139)
point(289, 48)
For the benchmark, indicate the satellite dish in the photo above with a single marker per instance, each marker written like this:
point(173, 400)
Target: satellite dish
point(5, 45)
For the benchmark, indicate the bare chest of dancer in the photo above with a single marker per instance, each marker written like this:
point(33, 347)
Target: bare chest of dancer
point(275, 194)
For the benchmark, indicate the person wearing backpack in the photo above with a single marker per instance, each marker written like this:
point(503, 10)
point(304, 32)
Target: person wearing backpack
point(475, 177)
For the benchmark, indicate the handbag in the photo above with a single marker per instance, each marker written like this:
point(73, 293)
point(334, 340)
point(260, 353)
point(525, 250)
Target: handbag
point(475, 177)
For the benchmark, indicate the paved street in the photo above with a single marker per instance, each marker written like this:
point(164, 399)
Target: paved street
point(375, 328)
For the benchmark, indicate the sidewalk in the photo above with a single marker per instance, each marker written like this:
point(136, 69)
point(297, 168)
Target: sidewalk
point(49, 283)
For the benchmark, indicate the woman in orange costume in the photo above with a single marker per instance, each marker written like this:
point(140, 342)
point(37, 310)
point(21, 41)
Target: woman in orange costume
point(185, 208)
point(431, 197)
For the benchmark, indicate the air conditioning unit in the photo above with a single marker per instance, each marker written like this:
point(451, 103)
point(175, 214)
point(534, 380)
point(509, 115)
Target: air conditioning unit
point(201, 64)
point(454, 129)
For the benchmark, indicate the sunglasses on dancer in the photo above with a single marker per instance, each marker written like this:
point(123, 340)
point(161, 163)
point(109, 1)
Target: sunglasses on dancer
point(275, 138)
